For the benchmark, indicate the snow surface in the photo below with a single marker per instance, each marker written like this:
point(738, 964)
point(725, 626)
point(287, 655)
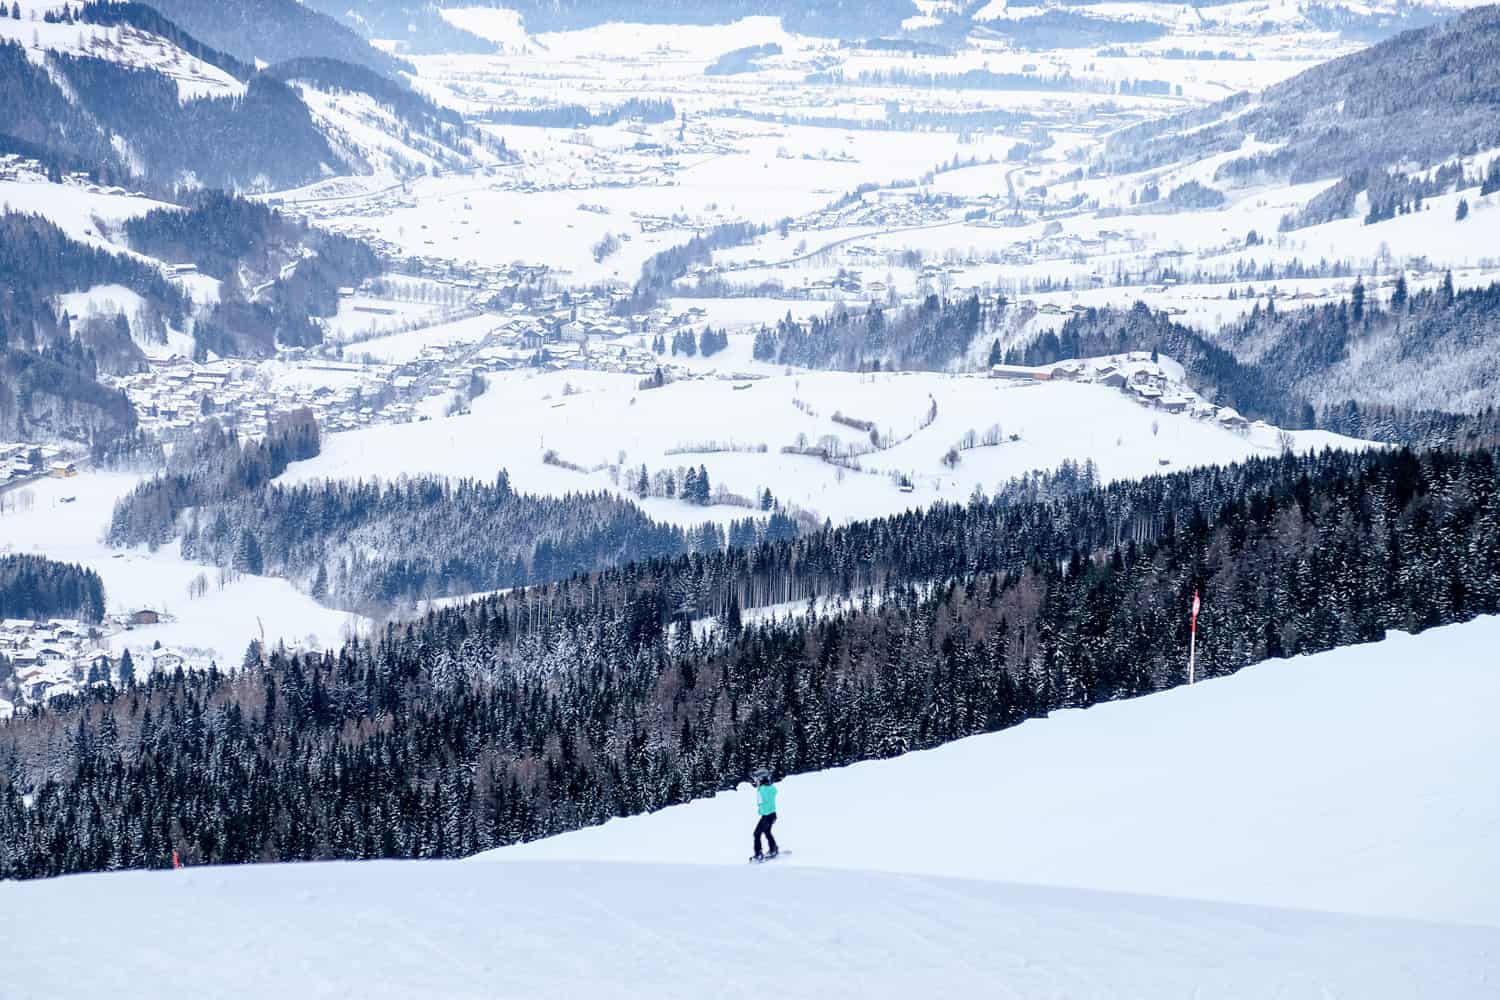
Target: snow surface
point(1359, 780)
point(121, 44)
point(452, 930)
point(76, 210)
point(524, 415)
point(1289, 780)
point(216, 626)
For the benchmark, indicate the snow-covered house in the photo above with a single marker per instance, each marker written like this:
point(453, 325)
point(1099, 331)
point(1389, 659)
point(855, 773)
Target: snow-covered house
point(1230, 417)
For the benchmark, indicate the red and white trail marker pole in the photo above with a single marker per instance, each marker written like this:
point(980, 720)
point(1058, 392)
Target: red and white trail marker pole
point(1193, 641)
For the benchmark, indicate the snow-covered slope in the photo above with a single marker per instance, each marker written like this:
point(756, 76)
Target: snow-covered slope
point(122, 44)
point(1359, 780)
point(598, 932)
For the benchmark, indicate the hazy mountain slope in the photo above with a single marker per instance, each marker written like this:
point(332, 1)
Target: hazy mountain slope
point(380, 124)
point(122, 121)
point(838, 18)
point(148, 19)
point(1422, 97)
point(415, 26)
point(273, 30)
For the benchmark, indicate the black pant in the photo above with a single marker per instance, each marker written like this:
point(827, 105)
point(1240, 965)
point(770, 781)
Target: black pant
point(764, 828)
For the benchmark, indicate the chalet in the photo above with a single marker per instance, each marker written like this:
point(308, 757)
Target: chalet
point(63, 470)
point(1113, 378)
point(1174, 404)
point(1016, 373)
point(1229, 417)
point(145, 616)
point(165, 659)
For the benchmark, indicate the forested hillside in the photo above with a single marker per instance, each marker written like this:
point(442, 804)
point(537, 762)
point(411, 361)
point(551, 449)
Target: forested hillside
point(262, 139)
point(278, 273)
point(1434, 349)
point(368, 545)
point(931, 336)
point(49, 362)
point(148, 19)
point(1423, 366)
point(430, 128)
point(37, 588)
point(36, 115)
point(532, 713)
point(416, 110)
point(274, 31)
point(210, 467)
point(1419, 98)
point(1421, 355)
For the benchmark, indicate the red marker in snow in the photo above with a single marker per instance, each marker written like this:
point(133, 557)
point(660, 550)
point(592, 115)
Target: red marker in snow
point(1193, 640)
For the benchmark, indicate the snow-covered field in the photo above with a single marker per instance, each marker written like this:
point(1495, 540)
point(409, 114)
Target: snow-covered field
point(590, 418)
point(1356, 780)
point(216, 626)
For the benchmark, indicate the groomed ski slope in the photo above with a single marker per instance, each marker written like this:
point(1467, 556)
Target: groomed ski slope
point(449, 930)
point(1357, 780)
point(1361, 780)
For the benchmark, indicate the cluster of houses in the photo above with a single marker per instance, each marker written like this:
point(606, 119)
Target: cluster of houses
point(20, 462)
point(1138, 376)
point(40, 660)
point(553, 332)
point(550, 334)
point(173, 396)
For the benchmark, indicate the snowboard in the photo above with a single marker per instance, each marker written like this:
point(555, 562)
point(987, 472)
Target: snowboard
point(762, 860)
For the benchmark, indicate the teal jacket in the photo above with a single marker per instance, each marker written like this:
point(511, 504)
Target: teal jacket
point(767, 799)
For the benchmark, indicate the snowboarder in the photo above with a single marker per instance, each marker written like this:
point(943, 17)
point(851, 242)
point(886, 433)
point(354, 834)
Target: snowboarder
point(766, 803)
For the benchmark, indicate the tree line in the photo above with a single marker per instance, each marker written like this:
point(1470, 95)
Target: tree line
point(372, 545)
point(38, 588)
point(932, 335)
point(539, 711)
